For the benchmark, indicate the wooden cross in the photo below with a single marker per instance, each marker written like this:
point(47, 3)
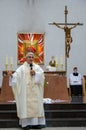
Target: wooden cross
point(67, 29)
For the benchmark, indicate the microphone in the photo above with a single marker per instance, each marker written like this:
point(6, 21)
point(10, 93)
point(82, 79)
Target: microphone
point(31, 66)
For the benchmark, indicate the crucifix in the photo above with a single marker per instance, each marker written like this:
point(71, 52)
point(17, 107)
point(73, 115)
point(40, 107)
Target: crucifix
point(67, 29)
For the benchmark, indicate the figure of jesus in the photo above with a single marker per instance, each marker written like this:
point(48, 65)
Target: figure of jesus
point(68, 38)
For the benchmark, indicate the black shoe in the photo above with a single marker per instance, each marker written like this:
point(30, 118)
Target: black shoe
point(41, 126)
point(38, 126)
point(35, 127)
point(26, 128)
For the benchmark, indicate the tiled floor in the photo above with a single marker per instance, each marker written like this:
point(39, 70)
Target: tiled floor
point(50, 128)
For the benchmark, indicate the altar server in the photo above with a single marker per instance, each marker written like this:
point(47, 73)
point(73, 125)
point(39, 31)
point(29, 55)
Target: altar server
point(75, 80)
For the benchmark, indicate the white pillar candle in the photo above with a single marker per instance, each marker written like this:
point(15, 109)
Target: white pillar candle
point(61, 60)
point(56, 59)
point(11, 60)
point(6, 59)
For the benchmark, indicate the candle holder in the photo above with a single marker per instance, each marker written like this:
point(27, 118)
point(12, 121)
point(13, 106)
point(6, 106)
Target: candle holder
point(56, 67)
point(6, 65)
point(61, 66)
point(11, 66)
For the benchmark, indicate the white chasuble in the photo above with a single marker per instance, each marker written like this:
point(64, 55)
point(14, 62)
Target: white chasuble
point(28, 91)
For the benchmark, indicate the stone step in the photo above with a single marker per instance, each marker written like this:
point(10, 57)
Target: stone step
point(58, 106)
point(8, 114)
point(66, 106)
point(9, 123)
point(70, 122)
point(65, 113)
point(56, 115)
point(7, 106)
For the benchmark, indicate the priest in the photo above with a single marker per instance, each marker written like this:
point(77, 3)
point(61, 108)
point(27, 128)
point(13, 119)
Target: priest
point(28, 86)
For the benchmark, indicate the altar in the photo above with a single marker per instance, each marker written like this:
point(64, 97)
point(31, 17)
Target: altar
point(55, 87)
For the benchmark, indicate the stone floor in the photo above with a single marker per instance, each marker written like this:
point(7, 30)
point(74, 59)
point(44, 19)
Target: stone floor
point(50, 128)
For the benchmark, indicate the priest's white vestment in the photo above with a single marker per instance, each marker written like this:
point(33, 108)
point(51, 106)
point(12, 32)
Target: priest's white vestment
point(28, 91)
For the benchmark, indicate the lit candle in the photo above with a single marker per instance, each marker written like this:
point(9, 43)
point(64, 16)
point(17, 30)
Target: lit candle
point(7, 60)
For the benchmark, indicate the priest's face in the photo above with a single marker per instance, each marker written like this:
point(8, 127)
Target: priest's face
point(30, 58)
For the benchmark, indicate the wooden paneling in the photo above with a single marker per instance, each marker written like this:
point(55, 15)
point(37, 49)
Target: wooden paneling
point(84, 85)
point(56, 87)
point(6, 91)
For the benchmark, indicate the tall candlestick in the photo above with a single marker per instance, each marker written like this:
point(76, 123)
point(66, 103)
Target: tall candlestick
point(7, 60)
point(61, 62)
point(11, 60)
point(11, 63)
point(56, 59)
point(6, 64)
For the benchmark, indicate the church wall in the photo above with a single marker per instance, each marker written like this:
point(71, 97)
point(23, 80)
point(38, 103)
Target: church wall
point(34, 16)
